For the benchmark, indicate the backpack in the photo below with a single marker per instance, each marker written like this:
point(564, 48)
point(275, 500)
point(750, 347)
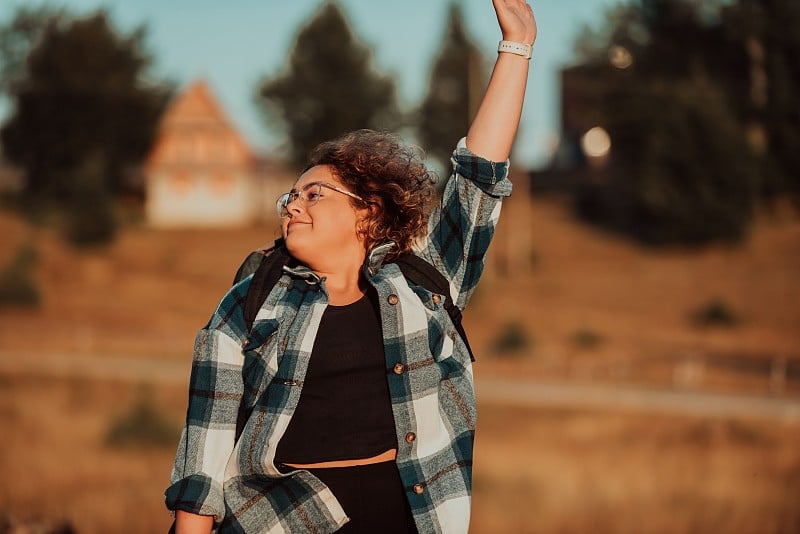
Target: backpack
point(267, 267)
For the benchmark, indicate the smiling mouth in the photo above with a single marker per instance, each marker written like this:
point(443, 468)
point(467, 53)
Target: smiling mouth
point(292, 224)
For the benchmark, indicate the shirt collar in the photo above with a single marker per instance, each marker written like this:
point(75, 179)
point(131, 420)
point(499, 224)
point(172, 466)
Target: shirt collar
point(372, 264)
point(301, 271)
point(374, 259)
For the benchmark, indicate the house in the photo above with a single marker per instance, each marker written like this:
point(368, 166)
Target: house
point(201, 173)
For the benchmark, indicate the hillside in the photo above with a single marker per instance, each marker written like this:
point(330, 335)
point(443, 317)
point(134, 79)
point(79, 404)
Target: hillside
point(587, 307)
point(575, 302)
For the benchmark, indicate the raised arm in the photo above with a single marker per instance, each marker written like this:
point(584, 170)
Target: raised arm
point(495, 126)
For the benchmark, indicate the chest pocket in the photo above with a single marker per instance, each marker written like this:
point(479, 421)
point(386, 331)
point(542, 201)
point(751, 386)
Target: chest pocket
point(443, 338)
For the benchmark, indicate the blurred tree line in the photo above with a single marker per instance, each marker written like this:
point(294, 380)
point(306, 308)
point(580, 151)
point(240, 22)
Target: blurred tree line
point(85, 106)
point(700, 100)
point(329, 86)
point(84, 113)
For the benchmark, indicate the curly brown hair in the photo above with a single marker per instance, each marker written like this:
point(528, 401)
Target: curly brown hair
point(390, 177)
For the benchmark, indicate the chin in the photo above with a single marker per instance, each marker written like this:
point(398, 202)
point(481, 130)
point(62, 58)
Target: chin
point(297, 248)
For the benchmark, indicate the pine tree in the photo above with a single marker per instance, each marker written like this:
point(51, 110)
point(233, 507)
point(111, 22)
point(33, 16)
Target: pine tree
point(457, 79)
point(329, 87)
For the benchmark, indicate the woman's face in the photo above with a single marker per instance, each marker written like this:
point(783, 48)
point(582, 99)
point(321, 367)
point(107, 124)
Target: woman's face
point(327, 229)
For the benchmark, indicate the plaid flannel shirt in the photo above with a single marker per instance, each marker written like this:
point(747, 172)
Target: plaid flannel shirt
point(429, 373)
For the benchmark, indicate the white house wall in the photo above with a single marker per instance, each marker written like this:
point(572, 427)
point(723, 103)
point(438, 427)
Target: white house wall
point(200, 200)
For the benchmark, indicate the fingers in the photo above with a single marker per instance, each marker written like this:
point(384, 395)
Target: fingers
point(516, 20)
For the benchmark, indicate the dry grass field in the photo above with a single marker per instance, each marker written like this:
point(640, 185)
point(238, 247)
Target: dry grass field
point(536, 470)
point(559, 302)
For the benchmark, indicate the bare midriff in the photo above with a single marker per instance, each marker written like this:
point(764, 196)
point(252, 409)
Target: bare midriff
point(387, 456)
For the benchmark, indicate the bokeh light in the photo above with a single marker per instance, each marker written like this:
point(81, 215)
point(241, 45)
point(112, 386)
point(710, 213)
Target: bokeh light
point(596, 143)
point(620, 57)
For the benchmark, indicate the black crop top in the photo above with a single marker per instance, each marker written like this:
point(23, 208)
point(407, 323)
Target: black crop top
point(345, 411)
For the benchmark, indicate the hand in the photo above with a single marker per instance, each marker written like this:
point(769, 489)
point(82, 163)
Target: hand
point(516, 20)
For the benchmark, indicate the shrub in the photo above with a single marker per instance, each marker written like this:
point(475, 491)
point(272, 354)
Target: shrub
point(143, 426)
point(587, 339)
point(715, 313)
point(512, 338)
point(17, 286)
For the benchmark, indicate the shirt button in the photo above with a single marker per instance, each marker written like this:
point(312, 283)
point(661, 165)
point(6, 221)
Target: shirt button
point(393, 299)
point(399, 368)
point(246, 342)
point(418, 488)
point(410, 437)
point(437, 299)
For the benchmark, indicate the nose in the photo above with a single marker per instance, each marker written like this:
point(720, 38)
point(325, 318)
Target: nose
point(295, 206)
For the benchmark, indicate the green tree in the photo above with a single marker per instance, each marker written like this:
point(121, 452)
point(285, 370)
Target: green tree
point(329, 87)
point(18, 37)
point(457, 80)
point(670, 82)
point(768, 29)
point(81, 103)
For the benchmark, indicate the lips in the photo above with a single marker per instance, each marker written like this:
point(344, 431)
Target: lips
point(294, 224)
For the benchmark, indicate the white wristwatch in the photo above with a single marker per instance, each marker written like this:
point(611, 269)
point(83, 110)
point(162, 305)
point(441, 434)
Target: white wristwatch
point(513, 47)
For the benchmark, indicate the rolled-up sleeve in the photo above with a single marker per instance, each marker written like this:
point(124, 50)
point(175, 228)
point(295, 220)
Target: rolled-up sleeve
point(208, 438)
point(490, 176)
point(461, 227)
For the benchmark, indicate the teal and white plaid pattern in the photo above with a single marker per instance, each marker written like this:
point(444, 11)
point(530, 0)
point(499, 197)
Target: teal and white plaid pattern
point(433, 396)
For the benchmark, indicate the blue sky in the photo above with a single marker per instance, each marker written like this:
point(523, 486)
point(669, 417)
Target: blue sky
point(233, 44)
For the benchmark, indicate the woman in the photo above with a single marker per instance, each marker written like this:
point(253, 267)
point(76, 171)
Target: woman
point(363, 411)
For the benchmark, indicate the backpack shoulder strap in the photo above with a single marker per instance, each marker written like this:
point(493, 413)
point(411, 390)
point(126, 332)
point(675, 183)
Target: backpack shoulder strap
point(266, 266)
point(249, 265)
point(421, 273)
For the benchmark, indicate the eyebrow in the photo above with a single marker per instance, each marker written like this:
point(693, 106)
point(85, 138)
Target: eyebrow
point(309, 184)
point(294, 189)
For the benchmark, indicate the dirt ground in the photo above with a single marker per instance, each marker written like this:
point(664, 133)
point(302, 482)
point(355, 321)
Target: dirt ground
point(559, 301)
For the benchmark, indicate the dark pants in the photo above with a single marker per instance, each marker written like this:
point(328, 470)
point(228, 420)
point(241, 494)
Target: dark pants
point(372, 496)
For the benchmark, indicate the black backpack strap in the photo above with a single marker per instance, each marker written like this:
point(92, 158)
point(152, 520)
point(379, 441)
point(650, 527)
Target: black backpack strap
point(266, 266)
point(265, 276)
point(421, 273)
point(249, 265)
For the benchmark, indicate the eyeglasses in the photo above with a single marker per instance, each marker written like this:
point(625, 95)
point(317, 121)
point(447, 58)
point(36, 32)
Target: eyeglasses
point(308, 196)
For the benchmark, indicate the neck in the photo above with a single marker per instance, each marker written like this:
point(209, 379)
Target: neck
point(344, 288)
point(343, 281)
